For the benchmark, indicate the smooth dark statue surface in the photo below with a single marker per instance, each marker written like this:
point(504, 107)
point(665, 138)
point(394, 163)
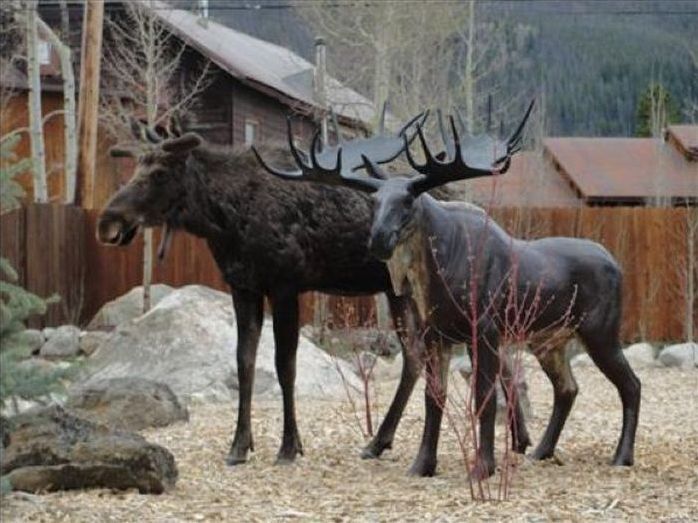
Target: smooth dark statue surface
point(269, 238)
point(474, 283)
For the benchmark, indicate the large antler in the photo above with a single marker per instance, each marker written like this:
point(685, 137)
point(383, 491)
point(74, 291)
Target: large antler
point(473, 157)
point(310, 168)
point(345, 156)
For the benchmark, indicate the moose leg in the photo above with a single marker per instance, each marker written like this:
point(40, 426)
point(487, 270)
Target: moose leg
point(485, 359)
point(405, 319)
point(609, 358)
point(520, 439)
point(438, 357)
point(285, 313)
point(557, 367)
point(249, 314)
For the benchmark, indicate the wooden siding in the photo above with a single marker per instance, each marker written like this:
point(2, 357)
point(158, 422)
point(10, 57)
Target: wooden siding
point(54, 250)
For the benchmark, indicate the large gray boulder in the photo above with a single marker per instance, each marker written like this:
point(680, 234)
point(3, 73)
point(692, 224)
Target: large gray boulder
point(680, 355)
point(64, 342)
point(188, 342)
point(126, 307)
point(127, 404)
point(51, 449)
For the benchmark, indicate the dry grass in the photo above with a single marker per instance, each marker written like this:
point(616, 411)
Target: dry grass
point(331, 483)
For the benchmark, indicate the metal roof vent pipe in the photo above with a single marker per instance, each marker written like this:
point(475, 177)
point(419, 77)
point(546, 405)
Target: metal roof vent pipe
point(320, 85)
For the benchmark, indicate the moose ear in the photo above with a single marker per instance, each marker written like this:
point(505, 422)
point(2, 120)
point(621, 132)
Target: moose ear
point(183, 144)
point(122, 152)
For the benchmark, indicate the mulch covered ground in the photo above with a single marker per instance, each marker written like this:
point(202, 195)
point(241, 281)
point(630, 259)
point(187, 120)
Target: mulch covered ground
point(331, 483)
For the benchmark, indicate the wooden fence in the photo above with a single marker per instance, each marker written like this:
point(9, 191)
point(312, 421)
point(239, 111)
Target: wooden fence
point(54, 249)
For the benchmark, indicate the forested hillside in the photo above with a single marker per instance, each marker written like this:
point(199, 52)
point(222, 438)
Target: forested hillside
point(592, 60)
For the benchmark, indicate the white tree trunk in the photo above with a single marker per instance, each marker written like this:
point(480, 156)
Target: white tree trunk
point(36, 131)
point(469, 73)
point(151, 116)
point(70, 163)
point(691, 255)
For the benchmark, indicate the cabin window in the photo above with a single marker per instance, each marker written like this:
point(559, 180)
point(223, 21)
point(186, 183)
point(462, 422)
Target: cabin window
point(44, 52)
point(251, 131)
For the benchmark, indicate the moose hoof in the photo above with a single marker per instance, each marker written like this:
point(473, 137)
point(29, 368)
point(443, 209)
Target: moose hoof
point(541, 454)
point(622, 462)
point(423, 469)
point(520, 446)
point(235, 460)
point(374, 450)
point(286, 456)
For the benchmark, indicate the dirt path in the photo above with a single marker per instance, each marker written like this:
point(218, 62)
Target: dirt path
point(331, 483)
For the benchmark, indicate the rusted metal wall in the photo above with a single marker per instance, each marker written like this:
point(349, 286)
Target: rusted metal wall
point(55, 251)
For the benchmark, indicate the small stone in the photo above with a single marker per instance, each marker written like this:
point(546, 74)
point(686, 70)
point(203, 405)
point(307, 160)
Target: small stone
point(63, 343)
point(680, 355)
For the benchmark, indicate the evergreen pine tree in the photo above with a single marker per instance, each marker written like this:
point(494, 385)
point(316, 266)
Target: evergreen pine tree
point(17, 304)
point(655, 110)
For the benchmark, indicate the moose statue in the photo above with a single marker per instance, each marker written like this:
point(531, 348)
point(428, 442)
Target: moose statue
point(471, 282)
point(269, 239)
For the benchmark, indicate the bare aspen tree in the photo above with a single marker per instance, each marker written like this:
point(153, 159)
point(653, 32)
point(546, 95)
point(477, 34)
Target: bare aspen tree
point(36, 132)
point(69, 111)
point(143, 76)
point(12, 52)
point(388, 51)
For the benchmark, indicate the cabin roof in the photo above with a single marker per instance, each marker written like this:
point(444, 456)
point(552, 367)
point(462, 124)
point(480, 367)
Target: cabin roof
point(530, 182)
point(624, 170)
point(270, 68)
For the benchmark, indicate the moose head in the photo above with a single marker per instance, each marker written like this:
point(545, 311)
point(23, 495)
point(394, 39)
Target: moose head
point(156, 189)
point(395, 196)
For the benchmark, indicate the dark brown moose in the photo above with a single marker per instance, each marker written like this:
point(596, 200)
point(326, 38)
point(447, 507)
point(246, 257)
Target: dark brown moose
point(269, 238)
point(473, 283)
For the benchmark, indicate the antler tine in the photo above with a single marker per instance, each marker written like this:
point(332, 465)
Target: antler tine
point(519, 130)
point(381, 125)
point(372, 168)
point(269, 168)
point(442, 129)
point(315, 167)
point(427, 153)
point(461, 121)
point(458, 154)
point(294, 151)
point(314, 149)
point(421, 116)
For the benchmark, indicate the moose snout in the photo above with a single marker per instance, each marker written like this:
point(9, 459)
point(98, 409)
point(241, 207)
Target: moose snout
point(382, 245)
point(115, 229)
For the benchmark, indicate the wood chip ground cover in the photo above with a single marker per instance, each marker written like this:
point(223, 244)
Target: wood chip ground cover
point(331, 483)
